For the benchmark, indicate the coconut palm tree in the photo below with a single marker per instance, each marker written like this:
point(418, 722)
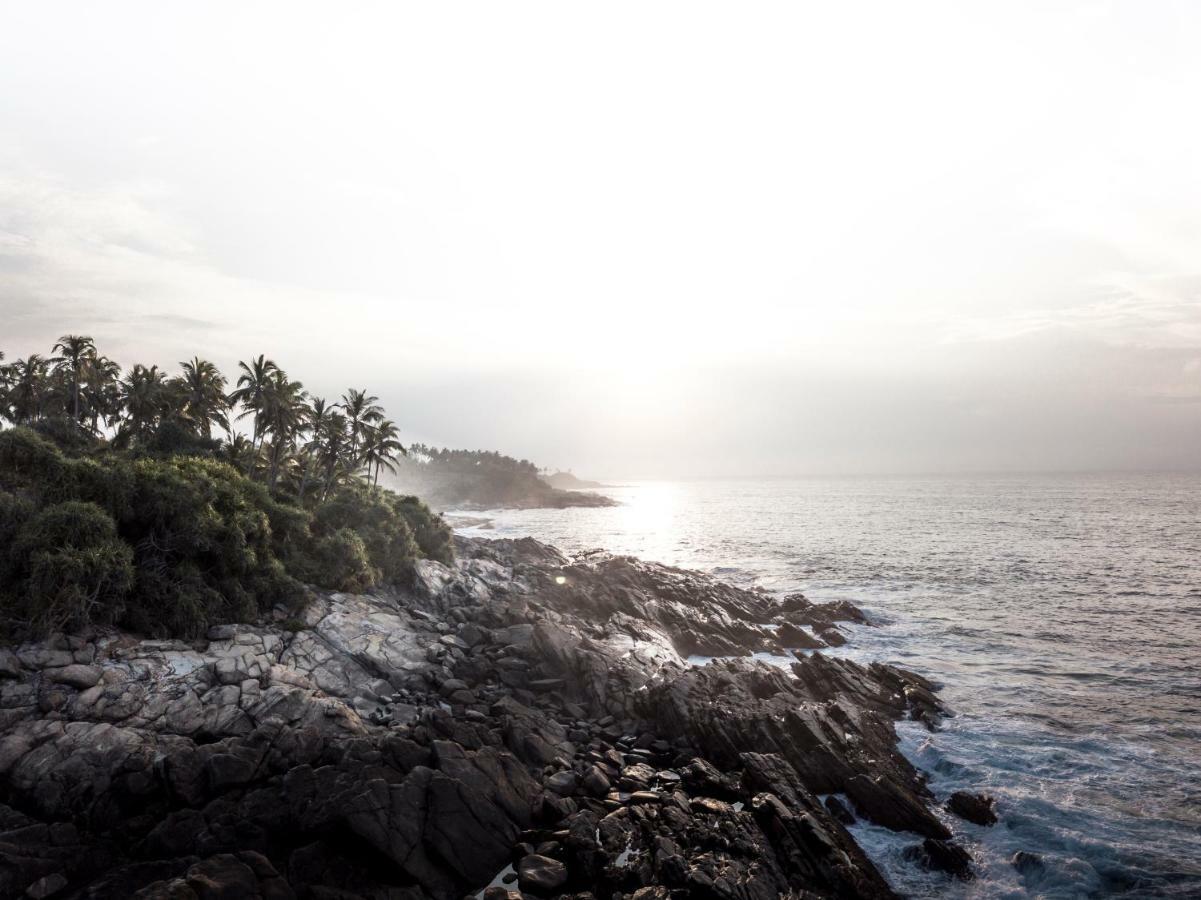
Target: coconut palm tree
point(76, 351)
point(204, 401)
point(361, 412)
point(5, 412)
point(101, 392)
point(283, 415)
point(380, 449)
point(238, 452)
point(144, 398)
point(333, 450)
point(251, 391)
point(28, 387)
point(316, 420)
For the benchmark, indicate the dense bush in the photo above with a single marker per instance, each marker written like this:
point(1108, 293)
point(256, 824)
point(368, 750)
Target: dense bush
point(168, 546)
point(343, 561)
point(69, 568)
point(433, 537)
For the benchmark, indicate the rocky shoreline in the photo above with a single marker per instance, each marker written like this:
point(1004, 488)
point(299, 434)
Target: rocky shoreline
point(519, 724)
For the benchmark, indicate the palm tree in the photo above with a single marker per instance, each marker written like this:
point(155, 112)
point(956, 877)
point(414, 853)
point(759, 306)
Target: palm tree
point(316, 420)
point(361, 412)
point(333, 444)
point(283, 414)
point(101, 391)
point(144, 398)
point(76, 350)
point(204, 401)
point(238, 452)
point(28, 385)
point(381, 448)
point(5, 412)
point(251, 389)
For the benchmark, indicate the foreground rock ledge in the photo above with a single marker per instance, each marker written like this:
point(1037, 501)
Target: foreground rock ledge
point(519, 713)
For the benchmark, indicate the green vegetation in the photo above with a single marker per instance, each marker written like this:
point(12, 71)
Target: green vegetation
point(118, 506)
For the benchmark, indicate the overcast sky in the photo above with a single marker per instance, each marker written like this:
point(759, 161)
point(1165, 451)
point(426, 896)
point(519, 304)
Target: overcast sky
point(635, 239)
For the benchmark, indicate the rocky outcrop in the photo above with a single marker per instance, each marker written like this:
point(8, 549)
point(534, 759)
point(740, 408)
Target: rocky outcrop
point(518, 713)
point(979, 809)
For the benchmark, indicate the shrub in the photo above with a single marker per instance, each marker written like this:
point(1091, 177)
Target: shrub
point(70, 569)
point(386, 536)
point(433, 535)
point(342, 563)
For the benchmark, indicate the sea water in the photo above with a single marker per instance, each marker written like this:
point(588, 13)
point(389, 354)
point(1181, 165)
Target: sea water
point(1061, 614)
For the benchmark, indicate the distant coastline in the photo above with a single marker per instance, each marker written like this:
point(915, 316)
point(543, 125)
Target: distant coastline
point(486, 479)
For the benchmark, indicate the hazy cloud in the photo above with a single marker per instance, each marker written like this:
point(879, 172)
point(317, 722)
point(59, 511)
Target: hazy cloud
point(668, 238)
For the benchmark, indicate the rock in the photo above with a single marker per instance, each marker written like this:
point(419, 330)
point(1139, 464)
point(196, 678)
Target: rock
point(451, 685)
point(839, 811)
point(387, 748)
point(46, 886)
point(943, 856)
point(595, 781)
point(10, 666)
point(976, 808)
point(639, 797)
point(562, 783)
point(1027, 863)
point(795, 637)
point(831, 635)
point(75, 675)
point(636, 777)
point(39, 656)
point(471, 634)
point(226, 876)
point(541, 874)
point(883, 801)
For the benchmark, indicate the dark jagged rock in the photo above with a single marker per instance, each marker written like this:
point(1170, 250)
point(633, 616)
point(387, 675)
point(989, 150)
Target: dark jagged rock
point(943, 856)
point(518, 708)
point(976, 808)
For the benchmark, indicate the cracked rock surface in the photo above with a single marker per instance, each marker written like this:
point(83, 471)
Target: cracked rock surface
point(516, 713)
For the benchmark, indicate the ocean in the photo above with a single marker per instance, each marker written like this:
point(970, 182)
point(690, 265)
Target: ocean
point(1061, 614)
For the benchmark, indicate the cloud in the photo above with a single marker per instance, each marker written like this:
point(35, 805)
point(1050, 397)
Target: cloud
point(1168, 316)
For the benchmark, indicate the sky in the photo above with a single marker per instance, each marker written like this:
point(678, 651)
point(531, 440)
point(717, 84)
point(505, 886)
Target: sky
point(635, 239)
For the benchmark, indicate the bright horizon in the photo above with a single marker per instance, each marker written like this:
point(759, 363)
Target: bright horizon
point(664, 240)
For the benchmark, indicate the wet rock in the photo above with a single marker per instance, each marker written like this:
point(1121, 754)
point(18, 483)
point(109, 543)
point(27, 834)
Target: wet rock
point(883, 801)
point(979, 809)
point(541, 874)
point(1027, 863)
point(795, 637)
point(839, 810)
point(943, 856)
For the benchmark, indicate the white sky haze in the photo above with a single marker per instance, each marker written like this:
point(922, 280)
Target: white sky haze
point(635, 238)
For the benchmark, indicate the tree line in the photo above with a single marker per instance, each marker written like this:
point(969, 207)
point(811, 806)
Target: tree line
point(296, 441)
